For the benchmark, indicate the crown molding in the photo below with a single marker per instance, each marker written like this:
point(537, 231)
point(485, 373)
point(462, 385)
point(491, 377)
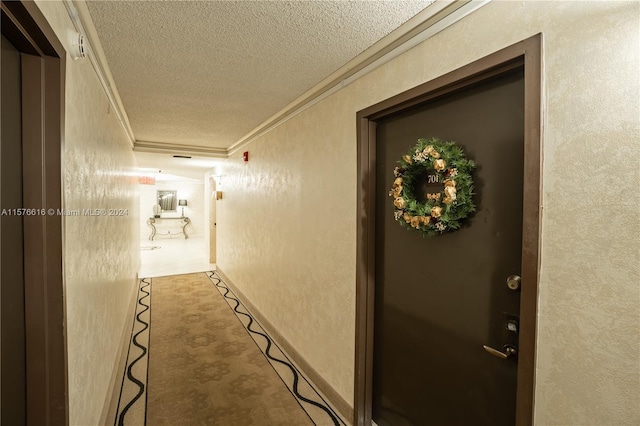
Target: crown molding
point(434, 18)
point(82, 22)
point(169, 148)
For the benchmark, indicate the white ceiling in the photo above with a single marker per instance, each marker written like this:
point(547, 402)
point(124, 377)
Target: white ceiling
point(206, 73)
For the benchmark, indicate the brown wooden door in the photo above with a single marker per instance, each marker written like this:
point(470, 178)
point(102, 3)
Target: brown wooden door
point(438, 300)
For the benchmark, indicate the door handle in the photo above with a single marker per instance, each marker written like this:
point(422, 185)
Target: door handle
point(509, 351)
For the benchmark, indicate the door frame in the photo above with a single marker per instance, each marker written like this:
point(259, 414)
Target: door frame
point(213, 230)
point(527, 55)
point(43, 60)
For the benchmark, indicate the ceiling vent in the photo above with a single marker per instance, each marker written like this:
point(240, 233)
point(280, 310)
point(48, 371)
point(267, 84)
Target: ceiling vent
point(181, 156)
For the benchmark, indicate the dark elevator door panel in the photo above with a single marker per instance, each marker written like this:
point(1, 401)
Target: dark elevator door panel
point(439, 300)
point(11, 246)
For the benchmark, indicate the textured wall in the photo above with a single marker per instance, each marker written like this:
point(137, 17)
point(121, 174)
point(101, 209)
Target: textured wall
point(101, 253)
point(287, 223)
point(193, 192)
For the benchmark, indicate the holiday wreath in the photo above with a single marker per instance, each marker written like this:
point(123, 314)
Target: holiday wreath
point(430, 163)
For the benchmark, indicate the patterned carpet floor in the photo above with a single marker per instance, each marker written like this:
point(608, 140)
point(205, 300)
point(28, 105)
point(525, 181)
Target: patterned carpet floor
point(198, 357)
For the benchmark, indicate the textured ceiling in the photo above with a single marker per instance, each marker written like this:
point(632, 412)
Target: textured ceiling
point(206, 73)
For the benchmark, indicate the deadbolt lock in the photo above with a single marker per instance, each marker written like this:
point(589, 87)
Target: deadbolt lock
point(513, 282)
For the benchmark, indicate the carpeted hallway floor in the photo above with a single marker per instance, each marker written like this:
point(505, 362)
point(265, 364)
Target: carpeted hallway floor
point(207, 364)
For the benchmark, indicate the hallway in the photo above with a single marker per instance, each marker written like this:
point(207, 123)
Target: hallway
point(191, 361)
point(289, 97)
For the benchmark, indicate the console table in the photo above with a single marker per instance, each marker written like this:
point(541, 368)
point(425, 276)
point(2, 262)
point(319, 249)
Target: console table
point(181, 225)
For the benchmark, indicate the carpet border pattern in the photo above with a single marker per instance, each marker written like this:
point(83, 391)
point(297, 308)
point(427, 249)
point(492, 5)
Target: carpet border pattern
point(132, 402)
point(316, 407)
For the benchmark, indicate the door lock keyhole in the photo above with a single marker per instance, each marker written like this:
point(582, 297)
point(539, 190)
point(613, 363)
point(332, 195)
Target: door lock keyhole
point(513, 282)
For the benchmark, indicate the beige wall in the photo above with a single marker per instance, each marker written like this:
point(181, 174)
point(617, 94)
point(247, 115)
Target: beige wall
point(287, 223)
point(101, 254)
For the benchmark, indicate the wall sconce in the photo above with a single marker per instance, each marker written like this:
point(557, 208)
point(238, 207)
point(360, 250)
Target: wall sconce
point(182, 203)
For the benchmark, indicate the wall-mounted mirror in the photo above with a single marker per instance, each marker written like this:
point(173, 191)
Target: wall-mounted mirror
point(168, 200)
